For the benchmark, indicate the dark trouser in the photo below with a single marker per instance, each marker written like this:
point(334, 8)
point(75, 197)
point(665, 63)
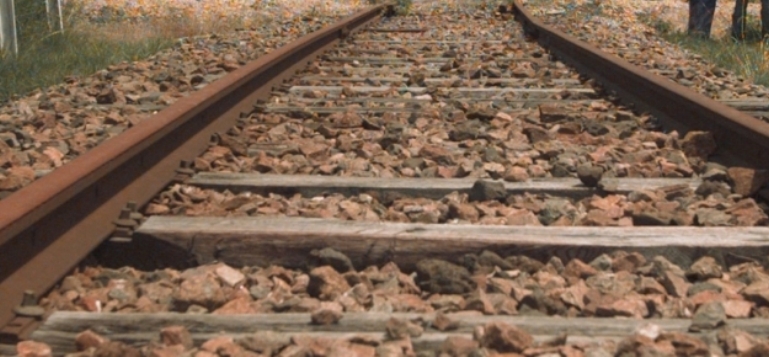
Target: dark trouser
point(701, 16)
point(738, 19)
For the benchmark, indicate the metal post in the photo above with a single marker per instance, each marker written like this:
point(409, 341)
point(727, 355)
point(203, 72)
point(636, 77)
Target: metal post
point(8, 41)
point(55, 20)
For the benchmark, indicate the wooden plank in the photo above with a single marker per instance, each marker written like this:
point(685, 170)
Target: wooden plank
point(426, 68)
point(422, 90)
point(77, 321)
point(563, 82)
point(60, 328)
point(429, 68)
point(401, 29)
point(757, 104)
point(366, 110)
point(434, 188)
point(415, 42)
point(261, 241)
point(399, 60)
point(63, 343)
point(68, 321)
point(757, 114)
point(524, 102)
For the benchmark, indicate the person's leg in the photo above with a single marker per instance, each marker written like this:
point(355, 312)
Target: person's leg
point(701, 17)
point(738, 19)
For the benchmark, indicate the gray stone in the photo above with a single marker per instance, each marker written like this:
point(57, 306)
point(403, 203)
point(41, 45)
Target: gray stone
point(652, 218)
point(337, 260)
point(484, 190)
point(589, 175)
point(704, 269)
point(602, 262)
point(441, 277)
point(707, 188)
point(708, 317)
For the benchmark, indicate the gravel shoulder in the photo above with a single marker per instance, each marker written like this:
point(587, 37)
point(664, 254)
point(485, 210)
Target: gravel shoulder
point(50, 127)
point(617, 27)
point(486, 141)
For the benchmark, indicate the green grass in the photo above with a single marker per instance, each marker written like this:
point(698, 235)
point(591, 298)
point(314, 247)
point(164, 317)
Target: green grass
point(748, 59)
point(50, 59)
point(46, 58)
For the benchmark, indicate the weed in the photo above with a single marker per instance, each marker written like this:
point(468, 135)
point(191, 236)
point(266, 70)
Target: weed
point(748, 59)
point(404, 7)
point(90, 43)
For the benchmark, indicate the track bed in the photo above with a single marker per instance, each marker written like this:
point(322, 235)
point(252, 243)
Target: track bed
point(434, 184)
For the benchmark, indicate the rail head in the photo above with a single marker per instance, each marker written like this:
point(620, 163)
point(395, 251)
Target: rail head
point(736, 133)
point(47, 227)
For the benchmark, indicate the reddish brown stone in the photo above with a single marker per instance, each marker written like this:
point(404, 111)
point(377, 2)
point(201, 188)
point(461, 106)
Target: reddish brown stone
point(737, 308)
point(627, 306)
point(699, 144)
point(88, 339)
point(218, 343)
point(758, 292)
point(438, 154)
point(400, 328)
point(241, 305)
point(628, 262)
point(479, 301)
point(636, 345)
point(647, 285)
point(675, 284)
point(176, 335)
point(33, 349)
point(747, 212)
point(230, 276)
point(295, 351)
point(685, 344)
point(575, 295)
point(326, 283)
point(200, 289)
point(443, 323)
point(328, 313)
point(516, 174)
point(704, 268)
point(116, 349)
point(505, 338)
point(705, 297)
point(166, 351)
point(268, 342)
point(737, 341)
point(464, 211)
point(577, 269)
point(458, 346)
point(747, 181)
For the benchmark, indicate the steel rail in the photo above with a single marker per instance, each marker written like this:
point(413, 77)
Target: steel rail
point(48, 227)
point(742, 136)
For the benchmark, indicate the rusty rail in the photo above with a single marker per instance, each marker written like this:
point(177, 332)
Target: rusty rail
point(738, 134)
point(49, 226)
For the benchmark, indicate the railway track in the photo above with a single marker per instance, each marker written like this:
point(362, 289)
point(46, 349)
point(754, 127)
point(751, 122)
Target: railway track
point(503, 162)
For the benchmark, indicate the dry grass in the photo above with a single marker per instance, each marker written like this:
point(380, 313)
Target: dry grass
point(748, 59)
point(46, 58)
point(676, 14)
point(105, 32)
